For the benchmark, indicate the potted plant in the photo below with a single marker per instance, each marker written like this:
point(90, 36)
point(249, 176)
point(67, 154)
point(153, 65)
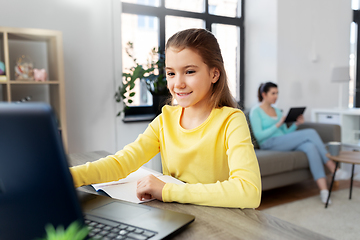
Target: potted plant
point(152, 74)
point(156, 82)
point(74, 232)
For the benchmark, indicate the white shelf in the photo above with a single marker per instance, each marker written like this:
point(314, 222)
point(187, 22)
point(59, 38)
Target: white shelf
point(348, 119)
point(45, 49)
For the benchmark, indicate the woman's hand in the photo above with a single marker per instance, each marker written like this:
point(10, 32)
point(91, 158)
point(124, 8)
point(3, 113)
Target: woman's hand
point(280, 122)
point(149, 187)
point(300, 120)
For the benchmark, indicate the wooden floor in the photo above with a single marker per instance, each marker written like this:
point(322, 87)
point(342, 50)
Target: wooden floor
point(278, 196)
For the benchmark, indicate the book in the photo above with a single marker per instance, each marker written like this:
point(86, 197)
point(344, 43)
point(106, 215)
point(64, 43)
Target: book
point(125, 189)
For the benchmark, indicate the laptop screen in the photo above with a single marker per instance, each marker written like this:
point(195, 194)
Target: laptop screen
point(36, 187)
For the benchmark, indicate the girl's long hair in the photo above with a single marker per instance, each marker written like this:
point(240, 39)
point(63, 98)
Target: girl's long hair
point(205, 44)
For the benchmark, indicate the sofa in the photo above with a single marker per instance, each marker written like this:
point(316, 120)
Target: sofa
point(280, 169)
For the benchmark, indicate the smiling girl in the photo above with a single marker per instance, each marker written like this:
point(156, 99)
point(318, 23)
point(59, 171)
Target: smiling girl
point(204, 139)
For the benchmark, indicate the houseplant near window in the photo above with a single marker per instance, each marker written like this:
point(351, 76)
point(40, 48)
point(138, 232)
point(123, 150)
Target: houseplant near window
point(152, 74)
point(156, 81)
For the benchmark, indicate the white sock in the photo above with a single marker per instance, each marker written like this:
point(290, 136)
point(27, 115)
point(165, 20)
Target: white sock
point(341, 175)
point(357, 177)
point(324, 195)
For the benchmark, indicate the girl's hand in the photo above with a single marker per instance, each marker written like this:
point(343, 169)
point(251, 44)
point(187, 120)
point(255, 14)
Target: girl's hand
point(149, 187)
point(300, 120)
point(280, 122)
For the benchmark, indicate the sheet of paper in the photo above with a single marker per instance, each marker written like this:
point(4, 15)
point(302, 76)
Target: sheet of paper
point(140, 173)
point(125, 189)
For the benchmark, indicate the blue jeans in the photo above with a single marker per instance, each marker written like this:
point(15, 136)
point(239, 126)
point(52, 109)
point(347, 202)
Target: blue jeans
point(307, 141)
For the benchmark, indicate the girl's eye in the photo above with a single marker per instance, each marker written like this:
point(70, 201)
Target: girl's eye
point(190, 71)
point(170, 74)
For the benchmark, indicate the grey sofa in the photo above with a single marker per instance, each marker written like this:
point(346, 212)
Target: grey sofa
point(280, 169)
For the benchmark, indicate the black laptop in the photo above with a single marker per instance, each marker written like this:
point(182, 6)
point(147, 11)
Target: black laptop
point(36, 187)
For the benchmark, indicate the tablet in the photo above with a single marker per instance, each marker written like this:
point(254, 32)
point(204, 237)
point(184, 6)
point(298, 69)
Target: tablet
point(294, 113)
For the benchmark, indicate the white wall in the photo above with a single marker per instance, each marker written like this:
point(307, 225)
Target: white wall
point(311, 38)
point(260, 46)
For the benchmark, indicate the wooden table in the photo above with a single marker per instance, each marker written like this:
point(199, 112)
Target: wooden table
point(344, 157)
point(221, 223)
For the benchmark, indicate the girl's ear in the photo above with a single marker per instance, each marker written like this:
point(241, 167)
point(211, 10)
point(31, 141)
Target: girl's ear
point(263, 94)
point(215, 74)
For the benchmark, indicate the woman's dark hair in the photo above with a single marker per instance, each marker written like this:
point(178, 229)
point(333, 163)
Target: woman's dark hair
point(264, 88)
point(205, 44)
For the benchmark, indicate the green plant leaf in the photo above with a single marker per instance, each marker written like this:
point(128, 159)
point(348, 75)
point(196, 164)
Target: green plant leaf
point(75, 231)
point(132, 85)
point(151, 74)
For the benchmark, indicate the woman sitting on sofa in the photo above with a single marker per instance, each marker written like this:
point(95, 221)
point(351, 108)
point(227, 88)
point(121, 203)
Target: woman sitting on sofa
point(272, 133)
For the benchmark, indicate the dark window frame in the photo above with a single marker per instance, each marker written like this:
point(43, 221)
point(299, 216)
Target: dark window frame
point(136, 113)
point(356, 19)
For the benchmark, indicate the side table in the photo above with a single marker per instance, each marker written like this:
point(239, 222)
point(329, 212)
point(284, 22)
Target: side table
point(345, 157)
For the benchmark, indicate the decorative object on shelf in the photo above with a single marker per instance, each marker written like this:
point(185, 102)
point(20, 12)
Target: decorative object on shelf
point(24, 68)
point(25, 99)
point(340, 75)
point(2, 68)
point(2, 72)
point(152, 74)
point(40, 75)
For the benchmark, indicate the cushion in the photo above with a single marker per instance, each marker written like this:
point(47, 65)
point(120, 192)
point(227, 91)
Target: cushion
point(275, 162)
point(253, 139)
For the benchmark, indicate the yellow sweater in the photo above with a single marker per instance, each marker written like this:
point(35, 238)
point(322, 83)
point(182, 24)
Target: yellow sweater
point(216, 160)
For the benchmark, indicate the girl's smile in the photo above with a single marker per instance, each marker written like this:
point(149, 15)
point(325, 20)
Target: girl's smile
point(183, 94)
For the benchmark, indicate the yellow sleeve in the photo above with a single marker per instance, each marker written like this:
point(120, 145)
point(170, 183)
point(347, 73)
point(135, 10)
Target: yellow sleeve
point(243, 187)
point(119, 165)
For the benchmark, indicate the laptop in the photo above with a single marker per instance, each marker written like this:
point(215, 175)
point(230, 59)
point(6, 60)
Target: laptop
point(36, 187)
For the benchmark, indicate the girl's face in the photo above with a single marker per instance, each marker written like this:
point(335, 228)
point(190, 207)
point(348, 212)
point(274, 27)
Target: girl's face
point(271, 96)
point(189, 79)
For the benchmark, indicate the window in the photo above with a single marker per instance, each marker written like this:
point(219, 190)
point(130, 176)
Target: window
point(149, 23)
point(354, 85)
point(229, 8)
point(228, 37)
point(175, 24)
point(142, 31)
point(186, 5)
point(154, 3)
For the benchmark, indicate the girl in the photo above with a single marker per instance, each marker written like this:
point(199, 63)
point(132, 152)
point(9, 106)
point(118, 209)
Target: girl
point(204, 140)
point(270, 131)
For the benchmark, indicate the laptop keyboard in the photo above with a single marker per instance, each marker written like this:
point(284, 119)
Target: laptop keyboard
point(105, 230)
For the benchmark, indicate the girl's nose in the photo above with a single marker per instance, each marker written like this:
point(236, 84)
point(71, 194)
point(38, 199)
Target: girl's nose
point(179, 82)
